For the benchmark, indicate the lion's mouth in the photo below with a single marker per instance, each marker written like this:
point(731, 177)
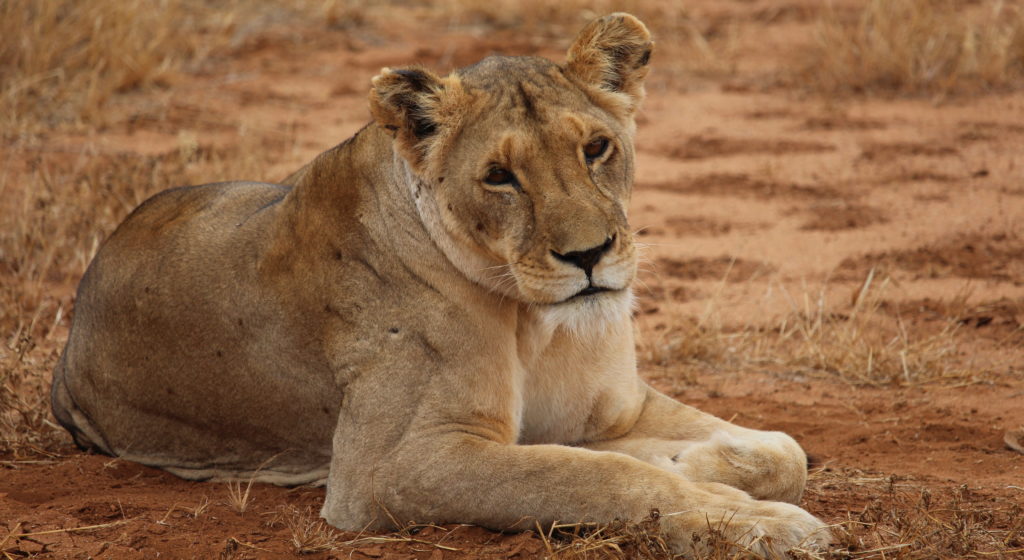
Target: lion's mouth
point(588, 291)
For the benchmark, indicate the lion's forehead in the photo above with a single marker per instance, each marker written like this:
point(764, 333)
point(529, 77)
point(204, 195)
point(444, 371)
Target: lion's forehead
point(533, 88)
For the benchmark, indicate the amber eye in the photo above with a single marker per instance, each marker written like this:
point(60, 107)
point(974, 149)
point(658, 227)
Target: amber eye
point(595, 149)
point(499, 176)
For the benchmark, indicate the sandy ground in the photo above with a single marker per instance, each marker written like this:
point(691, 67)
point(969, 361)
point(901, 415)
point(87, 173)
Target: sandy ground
point(757, 202)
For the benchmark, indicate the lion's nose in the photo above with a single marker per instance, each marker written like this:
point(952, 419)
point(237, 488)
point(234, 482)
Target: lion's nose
point(586, 259)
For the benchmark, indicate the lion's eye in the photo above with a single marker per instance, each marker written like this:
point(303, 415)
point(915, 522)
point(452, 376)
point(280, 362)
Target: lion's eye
point(595, 149)
point(499, 176)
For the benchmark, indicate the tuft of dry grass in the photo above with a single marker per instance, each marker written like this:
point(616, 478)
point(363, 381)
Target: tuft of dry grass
point(618, 540)
point(309, 533)
point(239, 495)
point(918, 47)
point(865, 343)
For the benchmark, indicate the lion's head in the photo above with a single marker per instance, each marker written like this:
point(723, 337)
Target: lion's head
point(522, 169)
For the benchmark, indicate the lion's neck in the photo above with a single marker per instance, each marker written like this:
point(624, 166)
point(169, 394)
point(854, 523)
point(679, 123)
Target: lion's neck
point(360, 198)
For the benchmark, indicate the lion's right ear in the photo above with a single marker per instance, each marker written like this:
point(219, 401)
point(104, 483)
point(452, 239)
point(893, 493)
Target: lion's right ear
point(410, 102)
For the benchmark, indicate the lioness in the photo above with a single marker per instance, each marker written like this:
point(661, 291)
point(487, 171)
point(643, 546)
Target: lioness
point(434, 316)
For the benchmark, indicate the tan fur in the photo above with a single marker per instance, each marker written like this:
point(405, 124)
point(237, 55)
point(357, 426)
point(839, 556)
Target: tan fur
point(390, 317)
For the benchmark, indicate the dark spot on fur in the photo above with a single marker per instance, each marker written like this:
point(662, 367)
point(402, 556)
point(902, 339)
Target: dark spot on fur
point(146, 289)
point(240, 322)
point(393, 330)
point(337, 255)
point(326, 410)
point(450, 209)
point(220, 354)
point(169, 391)
point(440, 179)
point(429, 348)
point(479, 226)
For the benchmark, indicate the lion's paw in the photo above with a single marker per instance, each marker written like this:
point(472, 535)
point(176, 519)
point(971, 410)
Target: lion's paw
point(768, 529)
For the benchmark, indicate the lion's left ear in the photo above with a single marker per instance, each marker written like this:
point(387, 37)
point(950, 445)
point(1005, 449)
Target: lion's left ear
point(611, 54)
point(411, 103)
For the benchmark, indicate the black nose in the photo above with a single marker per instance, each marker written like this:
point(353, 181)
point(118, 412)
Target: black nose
point(586, 259)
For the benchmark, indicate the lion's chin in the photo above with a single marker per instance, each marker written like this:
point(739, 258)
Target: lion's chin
point(589, 314)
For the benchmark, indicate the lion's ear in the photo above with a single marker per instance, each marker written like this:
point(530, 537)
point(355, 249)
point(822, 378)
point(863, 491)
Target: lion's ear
point(407, 102)
point(611, 54)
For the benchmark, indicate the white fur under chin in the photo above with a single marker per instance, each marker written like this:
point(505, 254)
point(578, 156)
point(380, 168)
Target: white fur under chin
point(589, 316)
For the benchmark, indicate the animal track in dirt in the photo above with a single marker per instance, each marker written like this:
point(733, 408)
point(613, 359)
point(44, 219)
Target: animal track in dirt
point(986, 131)
point(768, 114)
point(698, 226)
point(840, 215)
point(742, 185)
point(702, 147)
point(996, 257)
point(701, 268)
point(915, 176)
point(666, 289)
point(888, 151)
point(1001, 320)
point(104, 512)
point(841, 122)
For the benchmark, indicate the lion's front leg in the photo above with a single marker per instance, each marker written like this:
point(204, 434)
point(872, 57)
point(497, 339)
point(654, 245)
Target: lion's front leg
point(458, 477)
point(457, 461)
point(703, 448)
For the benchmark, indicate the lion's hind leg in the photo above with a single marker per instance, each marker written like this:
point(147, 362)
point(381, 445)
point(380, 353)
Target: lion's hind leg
point(70, 415)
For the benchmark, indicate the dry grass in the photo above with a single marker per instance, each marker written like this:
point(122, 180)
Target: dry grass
point(310, 533)
point(887, 519)
point(618, 540)
point(901, 519)
point(63, 60)
point(239, 495)
point(919, 47)
point(863, 343)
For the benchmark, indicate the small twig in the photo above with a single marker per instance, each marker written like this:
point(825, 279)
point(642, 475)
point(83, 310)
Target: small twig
point(4, 541)
point(247, 545)
point(365, 540)
point(70, 530)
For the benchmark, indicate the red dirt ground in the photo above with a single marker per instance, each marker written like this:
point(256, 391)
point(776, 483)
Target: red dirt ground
point(777, 193)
